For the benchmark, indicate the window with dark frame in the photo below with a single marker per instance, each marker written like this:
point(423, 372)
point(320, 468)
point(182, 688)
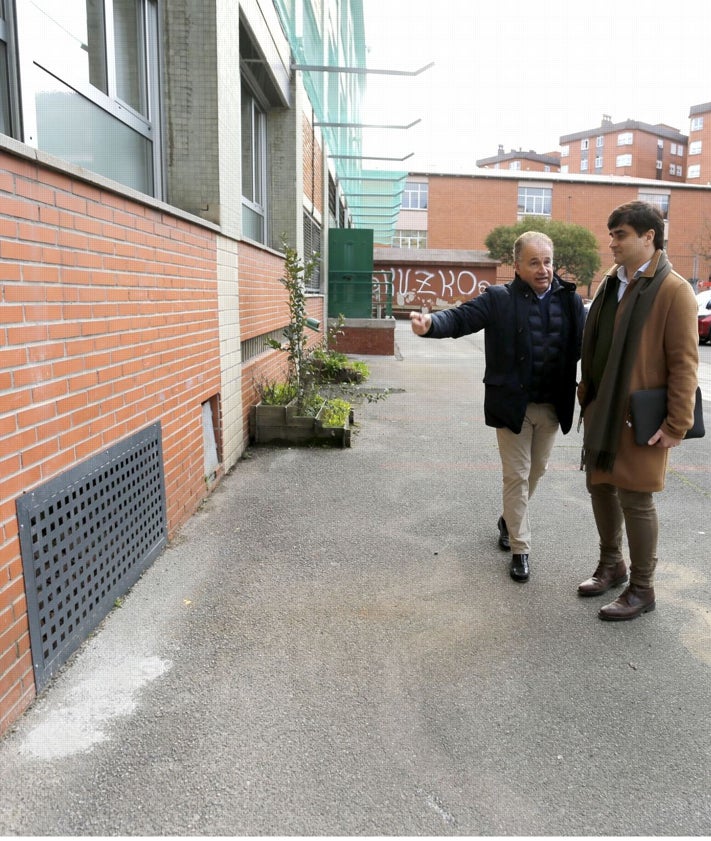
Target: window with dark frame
point(6, 115)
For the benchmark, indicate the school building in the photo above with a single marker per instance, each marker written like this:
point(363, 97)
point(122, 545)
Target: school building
point(456, 212)
point(154, 156)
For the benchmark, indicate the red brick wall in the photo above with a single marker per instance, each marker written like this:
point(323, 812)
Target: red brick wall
point(108, 323)
point(369, 341)
point(677, 159)
point(589, 205)
point(262, 304)
point(462, 211)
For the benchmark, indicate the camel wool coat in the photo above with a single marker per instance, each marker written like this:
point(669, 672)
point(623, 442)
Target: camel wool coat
point(668, 355)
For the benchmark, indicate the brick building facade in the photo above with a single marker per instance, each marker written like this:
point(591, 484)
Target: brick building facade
point(699, 153)
point(517, 159)
point(630, 148)
point(140, 266)
point(461, 210)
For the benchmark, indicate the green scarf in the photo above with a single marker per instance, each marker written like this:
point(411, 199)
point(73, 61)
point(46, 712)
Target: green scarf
point(603, 426)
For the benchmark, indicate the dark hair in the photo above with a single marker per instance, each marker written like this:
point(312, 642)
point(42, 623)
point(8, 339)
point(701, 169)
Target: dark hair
point(641, 216)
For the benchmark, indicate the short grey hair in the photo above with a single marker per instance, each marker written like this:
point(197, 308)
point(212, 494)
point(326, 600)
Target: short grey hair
point(530, 236)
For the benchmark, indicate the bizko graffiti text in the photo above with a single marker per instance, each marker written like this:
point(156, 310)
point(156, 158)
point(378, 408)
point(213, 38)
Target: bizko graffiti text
point(434, 287)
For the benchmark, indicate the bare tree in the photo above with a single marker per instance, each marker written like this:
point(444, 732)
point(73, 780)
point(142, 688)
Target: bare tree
point(701, 245)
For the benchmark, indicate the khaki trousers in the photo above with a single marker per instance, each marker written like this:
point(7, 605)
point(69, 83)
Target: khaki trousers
point(524, 459)
point(611, 507)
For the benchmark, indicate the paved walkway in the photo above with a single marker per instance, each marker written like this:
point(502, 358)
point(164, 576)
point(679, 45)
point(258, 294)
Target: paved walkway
point(332, 646)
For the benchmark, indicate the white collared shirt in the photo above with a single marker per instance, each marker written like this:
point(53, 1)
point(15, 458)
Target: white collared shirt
point(624, 281)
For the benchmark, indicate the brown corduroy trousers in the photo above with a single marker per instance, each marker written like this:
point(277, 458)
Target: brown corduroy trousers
point(614, 506)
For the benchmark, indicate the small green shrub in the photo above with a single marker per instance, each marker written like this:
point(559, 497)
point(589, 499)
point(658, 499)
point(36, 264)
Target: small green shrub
point(330, 361)
point(335, 412)
point(331, 366)
point(310, 404)
point(361, 367)
point(277, 394)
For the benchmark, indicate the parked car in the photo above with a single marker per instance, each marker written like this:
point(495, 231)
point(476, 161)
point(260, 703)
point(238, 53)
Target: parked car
point(703, 299)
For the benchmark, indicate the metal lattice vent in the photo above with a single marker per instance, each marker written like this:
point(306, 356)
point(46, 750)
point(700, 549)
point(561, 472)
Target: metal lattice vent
point(86, 537)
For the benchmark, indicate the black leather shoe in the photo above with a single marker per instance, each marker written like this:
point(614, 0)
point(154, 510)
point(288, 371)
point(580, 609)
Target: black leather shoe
point(503, 535)
point(519, 570)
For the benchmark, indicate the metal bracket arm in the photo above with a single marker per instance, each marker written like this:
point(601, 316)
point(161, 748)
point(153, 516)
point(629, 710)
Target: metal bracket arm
point(334, 68)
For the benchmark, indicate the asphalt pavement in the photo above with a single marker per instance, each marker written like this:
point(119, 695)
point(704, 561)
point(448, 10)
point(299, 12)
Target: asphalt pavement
point(333, 646)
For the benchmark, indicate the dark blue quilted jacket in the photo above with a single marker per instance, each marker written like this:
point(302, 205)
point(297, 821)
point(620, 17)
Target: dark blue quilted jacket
point(519, 365)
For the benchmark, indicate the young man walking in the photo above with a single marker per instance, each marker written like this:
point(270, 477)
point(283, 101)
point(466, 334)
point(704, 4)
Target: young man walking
point(641, 332)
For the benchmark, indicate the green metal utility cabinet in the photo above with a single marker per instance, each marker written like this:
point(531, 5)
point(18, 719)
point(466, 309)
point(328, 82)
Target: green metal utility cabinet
point(350, 272)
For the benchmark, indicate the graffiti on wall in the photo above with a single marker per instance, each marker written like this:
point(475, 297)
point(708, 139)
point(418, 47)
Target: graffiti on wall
point(418, 286)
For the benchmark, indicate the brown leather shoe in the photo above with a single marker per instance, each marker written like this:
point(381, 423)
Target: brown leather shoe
point(634, 601)
point(603, 579)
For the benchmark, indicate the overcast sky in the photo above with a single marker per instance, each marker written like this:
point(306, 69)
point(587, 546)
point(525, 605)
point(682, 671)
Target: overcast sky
point(524, 72)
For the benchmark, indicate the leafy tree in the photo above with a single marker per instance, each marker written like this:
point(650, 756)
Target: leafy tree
point(575, 249)
point(296, 347)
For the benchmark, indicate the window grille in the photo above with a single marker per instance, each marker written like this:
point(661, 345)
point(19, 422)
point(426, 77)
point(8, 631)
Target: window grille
point(258, 344)
point(331, 197)
point(312, 245)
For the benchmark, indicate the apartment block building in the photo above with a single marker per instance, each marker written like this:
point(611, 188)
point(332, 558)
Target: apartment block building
point(152, 156)
point(522, 161)
point(456, 212)
point(631, 148)
point(698, 170)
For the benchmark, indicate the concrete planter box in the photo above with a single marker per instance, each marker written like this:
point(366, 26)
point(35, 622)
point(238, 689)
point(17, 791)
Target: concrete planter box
point(282, 425)
point(338, 436)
